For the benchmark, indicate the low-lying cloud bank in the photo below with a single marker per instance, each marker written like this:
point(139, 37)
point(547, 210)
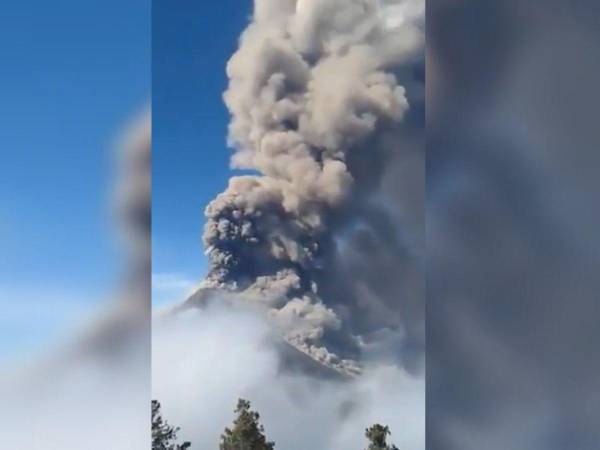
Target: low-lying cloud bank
point(203, 360)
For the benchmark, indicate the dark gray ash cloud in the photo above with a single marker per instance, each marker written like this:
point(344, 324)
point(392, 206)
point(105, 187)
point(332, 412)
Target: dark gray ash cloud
point(326, 101)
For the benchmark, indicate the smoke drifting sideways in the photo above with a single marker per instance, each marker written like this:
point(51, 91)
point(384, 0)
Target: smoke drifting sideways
point(326, 233)
point(93, 390)
point(512, 225)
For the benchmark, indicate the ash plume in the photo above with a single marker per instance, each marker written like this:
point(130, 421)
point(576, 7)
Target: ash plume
point(326, 104)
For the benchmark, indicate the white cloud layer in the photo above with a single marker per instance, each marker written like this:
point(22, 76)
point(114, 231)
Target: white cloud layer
point(204, 360)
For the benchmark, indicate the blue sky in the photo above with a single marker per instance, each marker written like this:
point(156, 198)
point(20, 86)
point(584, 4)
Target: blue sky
point(191, 46)
point(73, 73)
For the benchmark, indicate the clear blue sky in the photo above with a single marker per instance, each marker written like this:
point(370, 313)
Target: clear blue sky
point(72, 73)
point(191, 45)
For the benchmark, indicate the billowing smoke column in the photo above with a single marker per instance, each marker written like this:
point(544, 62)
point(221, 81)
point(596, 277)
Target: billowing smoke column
point(319, 98)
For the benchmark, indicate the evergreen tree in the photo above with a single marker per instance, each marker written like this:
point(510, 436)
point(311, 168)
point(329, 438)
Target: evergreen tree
point(377, 436)
point(164, 436)
point(247, 433)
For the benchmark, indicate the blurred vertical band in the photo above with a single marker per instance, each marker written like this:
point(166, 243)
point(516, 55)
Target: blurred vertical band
point(75, 224)
point(512, 225)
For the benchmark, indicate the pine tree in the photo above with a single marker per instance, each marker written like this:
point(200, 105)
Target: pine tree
point(164, 436)
point(377, 436)
point(247, 433)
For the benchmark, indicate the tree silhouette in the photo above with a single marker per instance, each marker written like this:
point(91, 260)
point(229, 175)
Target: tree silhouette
point(247, 433)
point(377, 436)
point(164, 436)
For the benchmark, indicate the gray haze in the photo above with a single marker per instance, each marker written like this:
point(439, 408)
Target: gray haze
point(512, 225)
